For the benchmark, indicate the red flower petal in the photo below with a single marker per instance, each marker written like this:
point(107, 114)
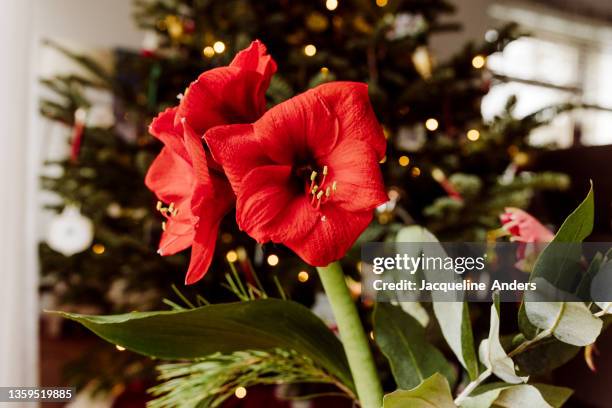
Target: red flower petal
point(202, 250)
point(330, 239)
point(178, 235)
point(359, 183)
point(272, 208)
point(164, 129)
point(234, 94)
point(170, 177)
point(350, 102)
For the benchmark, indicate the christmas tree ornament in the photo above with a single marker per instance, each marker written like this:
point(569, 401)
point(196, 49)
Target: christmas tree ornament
point(70, 232)
point(406, 25)
point(423, 61)
point(150, 43)
point(80, 116)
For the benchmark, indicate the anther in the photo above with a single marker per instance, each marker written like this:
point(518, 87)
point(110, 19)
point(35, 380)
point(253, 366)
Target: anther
point(313, 175)
point(334, 186)
point(163, 226)
point(327, 192)
point(159, 206)
point(319, 195)
point(324, 175)
point(171, 208)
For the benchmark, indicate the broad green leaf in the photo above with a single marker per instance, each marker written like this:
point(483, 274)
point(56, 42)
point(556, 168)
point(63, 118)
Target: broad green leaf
point(561, 269)
point(601, 287)
point(434, 392)
point(402, 340)
point(569, 322)
point(544, 356)
point(523, 395)
point(453, 317)
point(584, 288)
point(492, 354)
point(229, 327)
point(416, 310)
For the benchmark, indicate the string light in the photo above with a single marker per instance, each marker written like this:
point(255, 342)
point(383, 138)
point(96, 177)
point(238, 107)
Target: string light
point(383, 160)
point(381, 3)
point(303, 276)
point(438, 175)
point(219, 47)
point(473, 135)
point(324, 71)
point(331, 4)
point(431, 124)
point(208, 51)
point(240, 392)
point(416, 172)
point(372, 335)
point(231, 256)
point(98, 249)
point(120, 348)
point(310, 50)
point(272, 260)
point(478, 61)
point(404, 161)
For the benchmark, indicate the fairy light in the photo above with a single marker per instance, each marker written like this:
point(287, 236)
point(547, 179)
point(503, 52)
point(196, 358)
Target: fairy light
point(438, 175)
point(272, 260)
point(208, 51)
point(310, 50)
point(372, 335)
point(473, 135)
point(478, 61)
point(120, 348)
point(324, 71)
point(98, 249)
point(381, 3)
point(416, 172)
point(404, 161)
point(219, 47)
point(240, 392)
point(331, 4)
point(431, 124)
point(303, 276)
point(231, 256)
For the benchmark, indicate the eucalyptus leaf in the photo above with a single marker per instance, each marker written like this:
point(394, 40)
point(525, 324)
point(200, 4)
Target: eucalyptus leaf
point(453, 317)
point(264, 324)
point(561, 269)
point(601, 286)
point(523, 395)
point(492, 354)
point(416, 310)
point(570, 322)
point(402, 340)
point(433, 392)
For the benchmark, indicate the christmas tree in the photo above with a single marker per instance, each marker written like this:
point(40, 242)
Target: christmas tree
point(445, 168)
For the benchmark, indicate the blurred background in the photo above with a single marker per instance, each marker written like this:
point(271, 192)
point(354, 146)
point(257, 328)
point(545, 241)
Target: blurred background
point(486, 104)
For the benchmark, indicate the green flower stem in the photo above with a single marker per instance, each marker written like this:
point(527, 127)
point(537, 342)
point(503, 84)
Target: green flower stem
point(353, 337)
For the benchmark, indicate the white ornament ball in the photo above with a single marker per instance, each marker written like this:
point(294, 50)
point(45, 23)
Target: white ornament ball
point(70, 232)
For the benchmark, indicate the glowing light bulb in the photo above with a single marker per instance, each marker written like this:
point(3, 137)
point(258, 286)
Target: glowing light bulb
point(231, 256)
point(219, 47)
point(272, 260)
point(331, 4)
point(208, 51)
point(303, 276)
point(310, 50)
point(381, 3)
point(431, 124)
point(98, 249)
point(473, 135)
point(240, 392)
point(404, 161)
point(479, 61)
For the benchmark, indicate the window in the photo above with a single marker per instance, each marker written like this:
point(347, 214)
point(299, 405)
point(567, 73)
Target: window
point(565, 60)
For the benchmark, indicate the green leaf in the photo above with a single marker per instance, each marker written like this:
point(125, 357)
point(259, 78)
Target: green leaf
point(433, 392)
point(559, 270)
point(523, 395)
point(600, 288)
point(226, 328)
point(544, 356)
point(492, 354)
point(453, 317)
point(402, 340)
point(569, 322)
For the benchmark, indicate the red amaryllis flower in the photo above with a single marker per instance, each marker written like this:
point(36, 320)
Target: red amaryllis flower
point(306, 174)
point(197, 197)
point(232, 94)
point(197, 192)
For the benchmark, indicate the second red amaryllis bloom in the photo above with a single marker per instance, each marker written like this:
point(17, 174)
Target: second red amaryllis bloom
point(306, 174)
point(194, 198)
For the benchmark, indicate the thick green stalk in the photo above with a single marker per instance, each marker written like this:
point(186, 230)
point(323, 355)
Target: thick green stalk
point(353, 336)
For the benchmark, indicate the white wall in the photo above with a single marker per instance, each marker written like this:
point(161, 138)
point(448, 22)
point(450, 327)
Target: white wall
point(86, 25)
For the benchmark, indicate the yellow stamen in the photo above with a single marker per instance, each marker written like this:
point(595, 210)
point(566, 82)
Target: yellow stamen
point(319, 195)
point(334, 186)
point(164, 226)
point(313, 175)
point(327, 192)
point(159, 205)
